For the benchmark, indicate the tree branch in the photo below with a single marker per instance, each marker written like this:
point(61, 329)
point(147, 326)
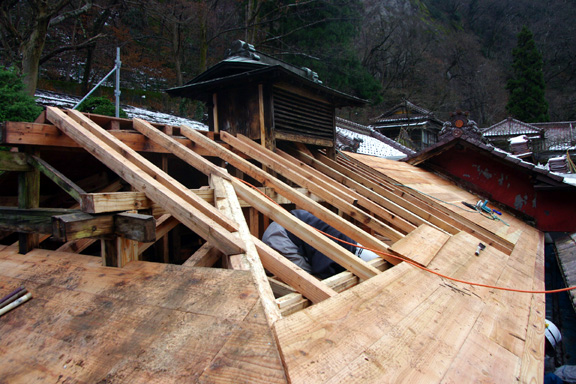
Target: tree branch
point(76, 47)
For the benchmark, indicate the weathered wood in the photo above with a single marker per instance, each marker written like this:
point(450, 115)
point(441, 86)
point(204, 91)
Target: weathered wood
point(223, 204)
point(13, 161)
point(282, 188)
point(421, 245)
point(164, 224)
point(38, 220)
point(80, 225)
point(57, 177)
point(398, 216)
point(294, 302)
point(224, 187)
point(48, 135)
point(272, 261)
point(135, 226)
point(206, 256)
point(181, 209)
point(187, 324)
point(29, 197)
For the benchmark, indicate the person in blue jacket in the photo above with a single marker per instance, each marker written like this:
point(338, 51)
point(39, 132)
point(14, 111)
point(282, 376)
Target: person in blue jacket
point(304, 255)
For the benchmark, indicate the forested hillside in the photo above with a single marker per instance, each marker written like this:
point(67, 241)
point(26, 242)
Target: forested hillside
point(441, 54)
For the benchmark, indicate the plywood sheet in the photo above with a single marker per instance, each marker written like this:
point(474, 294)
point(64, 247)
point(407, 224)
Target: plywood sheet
point(422, 244)
point(147, 322)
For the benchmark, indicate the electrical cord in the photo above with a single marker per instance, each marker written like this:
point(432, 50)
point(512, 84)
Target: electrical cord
point(422, 267)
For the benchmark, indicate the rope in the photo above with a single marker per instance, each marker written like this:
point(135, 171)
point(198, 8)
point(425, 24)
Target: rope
point(381, 253)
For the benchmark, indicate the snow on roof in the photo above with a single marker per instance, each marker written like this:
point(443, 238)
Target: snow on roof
point(518, 139)
point(54, 99)
point(372, 146)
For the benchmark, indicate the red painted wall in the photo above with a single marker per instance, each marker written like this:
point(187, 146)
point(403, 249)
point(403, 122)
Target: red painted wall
point(512, 186)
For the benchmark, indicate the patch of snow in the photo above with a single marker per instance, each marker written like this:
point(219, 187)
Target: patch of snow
point(569, 178)
point(66, 101)
point(372, 146)
point(518, 139)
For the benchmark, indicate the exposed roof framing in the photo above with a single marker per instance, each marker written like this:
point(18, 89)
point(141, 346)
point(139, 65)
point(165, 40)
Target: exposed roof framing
point(236, 310)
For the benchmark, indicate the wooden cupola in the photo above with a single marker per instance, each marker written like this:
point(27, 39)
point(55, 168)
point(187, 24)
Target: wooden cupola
point(266, 99)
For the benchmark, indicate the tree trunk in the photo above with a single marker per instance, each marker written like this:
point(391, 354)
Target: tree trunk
point(31, 52)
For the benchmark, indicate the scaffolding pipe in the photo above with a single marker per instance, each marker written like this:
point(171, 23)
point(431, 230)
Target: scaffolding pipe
point(117, 92)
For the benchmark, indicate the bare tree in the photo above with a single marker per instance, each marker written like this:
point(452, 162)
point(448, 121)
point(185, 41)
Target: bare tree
point(25, 25)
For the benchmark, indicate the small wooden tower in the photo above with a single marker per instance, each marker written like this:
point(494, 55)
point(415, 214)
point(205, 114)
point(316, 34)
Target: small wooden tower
point(266, 99)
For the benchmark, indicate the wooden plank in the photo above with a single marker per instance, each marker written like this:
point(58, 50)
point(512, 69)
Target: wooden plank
point(294, 302)
point(272, 261)
point(206, 256)
point(80, 225)
point(181, 209)
point(29, 197)
point(38, 220)
point(89, 320)
point(310, 287)
point(293, 195)
point(306, 233)
point(14, 161)
point(18, 133)
point(421, 245)
point(152, 171)
point(396, 210)
point(223, 204)
point(338, 197)
point(255, 266)
point(428, 209)
point(125, 201)
point(57, 177)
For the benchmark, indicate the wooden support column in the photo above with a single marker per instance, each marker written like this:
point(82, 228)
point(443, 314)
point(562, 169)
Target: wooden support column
point(28, 197)
point(250, 258)
point(215, 112)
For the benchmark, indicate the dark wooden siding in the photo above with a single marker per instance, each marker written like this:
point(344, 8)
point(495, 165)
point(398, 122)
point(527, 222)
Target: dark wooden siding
point(299, 115)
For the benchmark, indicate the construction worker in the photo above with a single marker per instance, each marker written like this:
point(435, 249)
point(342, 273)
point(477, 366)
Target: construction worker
point(305, 256)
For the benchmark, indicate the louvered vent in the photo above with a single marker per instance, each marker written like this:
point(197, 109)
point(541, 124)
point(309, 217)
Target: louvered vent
point(301, 116)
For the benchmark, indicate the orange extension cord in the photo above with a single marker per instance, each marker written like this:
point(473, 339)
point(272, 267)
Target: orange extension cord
point(420, 266)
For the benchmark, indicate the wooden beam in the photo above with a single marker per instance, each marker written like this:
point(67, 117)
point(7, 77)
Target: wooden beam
point(164, 224)
point(33, 220)
point(224, 187)
point(28, 197)
point(57, 177)
point(135, 226)
point(285, 190)
point(396, 210)
point(133, 168)
point(272, 260)
point(14, 161)
point(293, 302)
point(223, 203)
point(80, 225)
point(206, 256)
point(19, 133)
point(300, 229)
point(434, 210)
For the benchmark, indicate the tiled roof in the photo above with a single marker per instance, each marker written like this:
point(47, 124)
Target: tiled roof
point(511, 127)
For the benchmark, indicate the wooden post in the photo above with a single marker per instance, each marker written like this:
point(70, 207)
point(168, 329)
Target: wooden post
point(261, 115)
point(28, 197)
point(215, 112)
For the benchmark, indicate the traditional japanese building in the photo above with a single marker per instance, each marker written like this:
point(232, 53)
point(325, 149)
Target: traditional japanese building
point(409, 124)
point(266, 99)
